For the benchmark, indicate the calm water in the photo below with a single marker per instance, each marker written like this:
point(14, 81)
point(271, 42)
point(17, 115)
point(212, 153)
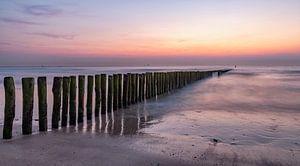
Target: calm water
point(252, 113)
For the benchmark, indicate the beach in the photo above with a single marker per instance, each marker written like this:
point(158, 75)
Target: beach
point(249, 116)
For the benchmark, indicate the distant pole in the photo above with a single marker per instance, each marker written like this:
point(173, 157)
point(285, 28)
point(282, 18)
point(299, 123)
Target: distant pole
point(42, 98)
point(89, 99)
point(167, 81)
point(9, 109)
point(56, 90)
point(65, 106)
point(143, 86)
point(97, 95)
point(110, 94)
point(81, 87)
point(103, 93)
point(73, 90)
point(28, 91)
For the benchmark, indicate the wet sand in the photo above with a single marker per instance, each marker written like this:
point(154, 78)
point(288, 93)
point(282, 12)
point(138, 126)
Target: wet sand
point(59, 148)
point(241, 118)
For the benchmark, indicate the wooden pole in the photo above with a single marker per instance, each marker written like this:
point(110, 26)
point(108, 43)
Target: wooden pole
point(110, 94)
point(81, 87)
point(140, 77)
point(147, 85)
point(152, 85)
point(143, 86)
point(103, 93)
point(116, 91)
point(120, 96)
point(65, 104)
point(158, 83)
point(129, 89)
point(73, 89)
point(9, 108)
point(28, 91)
point(56, 90)
point(133, 87)
point(42, 97)
point(97, 95)
point(167, 81)
point(125, 90)
point(136, 88)
point(89, 99)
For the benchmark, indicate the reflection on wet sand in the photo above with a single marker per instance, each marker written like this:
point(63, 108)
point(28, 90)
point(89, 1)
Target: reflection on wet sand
point(120, 122)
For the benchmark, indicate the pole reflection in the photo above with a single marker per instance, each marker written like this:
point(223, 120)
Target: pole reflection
point(120, 122)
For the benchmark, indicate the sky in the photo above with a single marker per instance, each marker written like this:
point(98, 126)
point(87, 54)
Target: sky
point(118, 32)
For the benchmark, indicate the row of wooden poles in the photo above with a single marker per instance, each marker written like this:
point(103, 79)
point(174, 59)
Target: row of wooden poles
point(112, 92)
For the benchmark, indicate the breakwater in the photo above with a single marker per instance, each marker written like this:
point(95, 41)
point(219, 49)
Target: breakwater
point(105, 92)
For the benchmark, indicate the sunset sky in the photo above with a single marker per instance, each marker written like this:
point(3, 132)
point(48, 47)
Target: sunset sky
point(42, 30)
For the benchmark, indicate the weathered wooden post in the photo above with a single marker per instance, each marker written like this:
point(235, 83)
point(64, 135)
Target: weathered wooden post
point(56, 90)
point(140, 77)
point(42, 97)
point(151, 85)
point(159, 84)
point(143, 85)
point(147, 85)
point(172, 81)
point(73, 89)
point(125, 90)
point(81, 87)
point(103, 93)
point(163, 86)
point(155, 84)
point(89, 99)
point(65, 104)
point(136, 94)
point(133, 88)
point(169, 81)
point(129, 89)
point(120, 96)
point(116, 91)
point(97, 95)
point(9, 108)
point(110, 94)
point(28, 91)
